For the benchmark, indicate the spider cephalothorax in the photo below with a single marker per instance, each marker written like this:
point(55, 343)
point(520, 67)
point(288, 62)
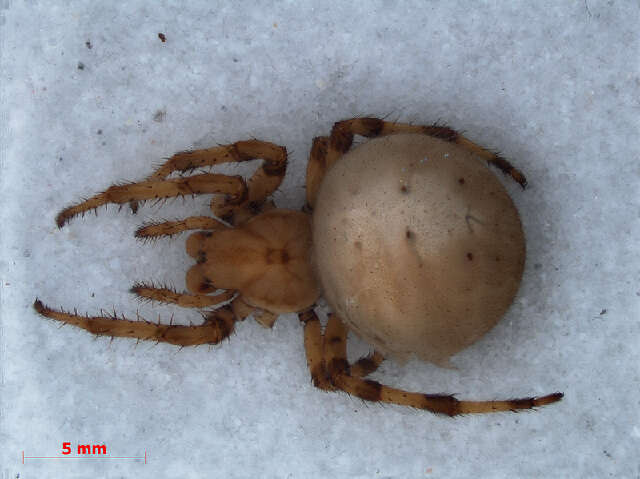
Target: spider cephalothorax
point(411, 240)
point(265, 259)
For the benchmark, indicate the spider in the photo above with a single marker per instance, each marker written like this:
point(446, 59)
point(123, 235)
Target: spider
point(414, 244)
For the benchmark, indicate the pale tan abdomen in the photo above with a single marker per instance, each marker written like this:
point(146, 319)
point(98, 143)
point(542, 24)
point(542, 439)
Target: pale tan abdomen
point(417, 245)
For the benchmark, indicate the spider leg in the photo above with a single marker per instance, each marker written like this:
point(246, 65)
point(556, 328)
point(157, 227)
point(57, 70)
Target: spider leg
point(366, 365)
point(335, 352)
point(238, 215)
point(343, 131)
point(262, 183)
point(316, 168)
point(186, 300)
point(170, 228)
point(335, 348)
point(232, 186)
point(316, 347)
point(242, 309)
point(240, 151)
point(217, 326)
point(340, 376)
point(313, 345)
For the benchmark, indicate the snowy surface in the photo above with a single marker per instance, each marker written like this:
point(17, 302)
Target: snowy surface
point(91, 96)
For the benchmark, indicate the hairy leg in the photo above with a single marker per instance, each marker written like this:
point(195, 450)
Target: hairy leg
point(232, 186)
point(170, 228)
point(343, 132)
point(340, 377)
point(240, 214)
point(366, 365)
point(275, 157)
point(186, 300)
point(217, 326)
point(262, 183)
point(260, 186)
point(316, 346)
point(237, 193)
point(313, 345)
point(316, 168)
point(241, 309)
point(335, 349)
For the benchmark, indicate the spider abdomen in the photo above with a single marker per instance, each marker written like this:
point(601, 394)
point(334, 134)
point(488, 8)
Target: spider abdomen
point(417, 245)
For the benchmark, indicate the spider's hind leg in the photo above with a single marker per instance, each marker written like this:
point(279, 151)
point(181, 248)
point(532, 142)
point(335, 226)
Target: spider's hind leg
point(343, 131)
point(316, 168)
point(316, 345)
point(313, 346)
point(367, 365)
point(339, 375)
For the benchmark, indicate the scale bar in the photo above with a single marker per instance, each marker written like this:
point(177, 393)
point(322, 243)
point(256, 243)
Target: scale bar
point(97, 456)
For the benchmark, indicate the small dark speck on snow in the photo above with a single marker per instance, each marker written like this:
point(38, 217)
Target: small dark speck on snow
point(159, 116)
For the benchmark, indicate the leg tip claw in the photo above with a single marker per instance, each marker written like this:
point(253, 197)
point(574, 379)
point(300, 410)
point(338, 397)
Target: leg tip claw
point(549, 399)
point(61, 219)
point(39, 306)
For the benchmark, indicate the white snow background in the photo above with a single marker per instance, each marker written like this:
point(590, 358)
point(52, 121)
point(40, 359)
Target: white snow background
point(91, 96)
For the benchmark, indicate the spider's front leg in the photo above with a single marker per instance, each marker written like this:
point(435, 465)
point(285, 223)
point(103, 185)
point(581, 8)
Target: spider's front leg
point(266, 180)
point(262, 184)
point(186, 300)
point(217, 326)
point(171, 228)
point(238, 196)
point(207, 183)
